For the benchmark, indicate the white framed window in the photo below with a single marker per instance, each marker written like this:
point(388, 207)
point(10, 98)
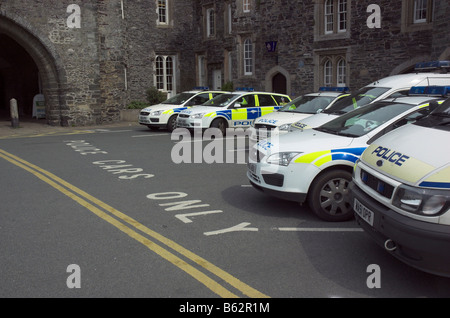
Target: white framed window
point(333, 69)
point(342, 16)
point(210, 22)
point(248, 57)
point(329, 16)
point(246, 6)
point(333, 16)
point(163, 12)
point(417, 15)
point(164, 73)
point(341, 79)
point(420, 11)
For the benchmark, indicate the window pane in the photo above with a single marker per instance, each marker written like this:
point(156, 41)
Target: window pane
point(420, 10)
point(169, 73)
point(342, 15)
point(159, 72)
point(210, 22)
point(248, 57)
point(327, 73)
point(341, 72)
point(162, 11)
point(266, 100)
point(246, 5)
point(328, 16)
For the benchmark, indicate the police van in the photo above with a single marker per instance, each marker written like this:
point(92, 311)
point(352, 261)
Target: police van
point(315, 165)
point(232, 110)
point(164, 115)
point(301, 107)
point(427, 74)
point(401, 192)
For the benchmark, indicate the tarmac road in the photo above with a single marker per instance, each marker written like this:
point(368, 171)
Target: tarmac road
point(39, 127)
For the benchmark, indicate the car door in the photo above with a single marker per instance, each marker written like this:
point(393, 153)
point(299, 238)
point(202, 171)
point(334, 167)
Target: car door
point(267, 104)
point(243, 106)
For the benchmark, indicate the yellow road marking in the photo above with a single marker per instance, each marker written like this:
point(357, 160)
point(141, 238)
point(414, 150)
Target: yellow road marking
point(53, 181)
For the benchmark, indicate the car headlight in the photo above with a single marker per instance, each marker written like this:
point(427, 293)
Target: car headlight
point(284, 127)
point(282, 158)
point(198, 115)
point(156, 113)
point(421, 201)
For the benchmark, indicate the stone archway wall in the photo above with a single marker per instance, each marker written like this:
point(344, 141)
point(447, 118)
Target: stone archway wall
point(271, 73)
point(409, 64)
point(445, 55)
point(46, 59)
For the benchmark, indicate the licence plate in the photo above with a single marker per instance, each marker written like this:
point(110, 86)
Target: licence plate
point(365, 214)
point(143, 119)
point(182, 122)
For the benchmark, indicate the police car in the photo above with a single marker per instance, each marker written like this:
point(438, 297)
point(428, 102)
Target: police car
point(315, 165)
point(232, 110)
point(304, 106)
point(388, 87)
point(164, 115)
point(401, 192)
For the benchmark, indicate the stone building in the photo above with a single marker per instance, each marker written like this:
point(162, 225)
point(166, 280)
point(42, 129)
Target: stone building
point(90, 59)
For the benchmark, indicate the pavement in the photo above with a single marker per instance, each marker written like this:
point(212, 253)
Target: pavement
point(39, 127)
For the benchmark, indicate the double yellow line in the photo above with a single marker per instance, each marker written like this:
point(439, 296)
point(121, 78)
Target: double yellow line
point(129, 226)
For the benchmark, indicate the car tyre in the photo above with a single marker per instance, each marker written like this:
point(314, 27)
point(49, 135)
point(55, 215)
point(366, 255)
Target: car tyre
point(329, 196)
point(172, 123)
point(221, 125)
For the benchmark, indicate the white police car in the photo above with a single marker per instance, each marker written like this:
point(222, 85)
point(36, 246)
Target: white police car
point(401, 192)
point(231, 110)
point(301, 107)
point(164, 115)
point(315, 165)
point(388, 87)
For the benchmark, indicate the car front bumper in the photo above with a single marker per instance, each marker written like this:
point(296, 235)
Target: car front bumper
point(420, 244)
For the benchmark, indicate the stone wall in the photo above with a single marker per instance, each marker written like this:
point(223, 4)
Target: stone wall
point(91, 73)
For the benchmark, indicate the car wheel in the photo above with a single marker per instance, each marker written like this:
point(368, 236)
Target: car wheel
point(329, 196)
point(221, 125)
point(172, 123)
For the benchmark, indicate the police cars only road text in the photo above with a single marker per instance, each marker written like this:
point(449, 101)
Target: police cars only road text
point(315, 165)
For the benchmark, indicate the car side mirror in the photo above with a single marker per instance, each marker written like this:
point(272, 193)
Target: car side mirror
point(237, 105)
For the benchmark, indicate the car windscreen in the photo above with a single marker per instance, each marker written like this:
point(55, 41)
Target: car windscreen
point(362, 97)
point(363, 120)
point(221, 100)
point(178, 99)
point(307, 104)
point(439, 118)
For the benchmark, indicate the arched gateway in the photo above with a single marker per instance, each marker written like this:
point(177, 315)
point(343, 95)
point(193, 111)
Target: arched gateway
point(29, 66)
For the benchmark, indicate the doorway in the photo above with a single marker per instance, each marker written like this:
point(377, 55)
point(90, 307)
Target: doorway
point(279, 83)
point(19, 78)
